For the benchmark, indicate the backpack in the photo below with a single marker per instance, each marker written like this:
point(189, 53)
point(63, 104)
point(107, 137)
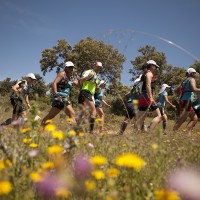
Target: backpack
point(137, 85)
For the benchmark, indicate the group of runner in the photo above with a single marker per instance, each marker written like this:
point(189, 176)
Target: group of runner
point(91, 98)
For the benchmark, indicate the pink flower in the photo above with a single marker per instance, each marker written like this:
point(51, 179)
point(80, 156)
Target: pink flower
point(33, 153)
point(82, 167)
point(186, 182)
point(91, 145)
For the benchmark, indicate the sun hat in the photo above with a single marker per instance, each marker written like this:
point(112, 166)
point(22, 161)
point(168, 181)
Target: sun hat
point(69, 64)
point(191, 70)
point(152, 62)
point(164, 86)
point(99, 64)
point(31, 75)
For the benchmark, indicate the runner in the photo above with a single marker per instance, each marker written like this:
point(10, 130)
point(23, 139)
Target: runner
point(186, 100)
point(89, 81)
point(61, 88)
point(98, 97)
point(162, 100)
point(20, 97)
point(146, 98)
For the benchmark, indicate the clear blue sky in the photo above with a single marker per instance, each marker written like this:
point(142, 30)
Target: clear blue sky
point(28, 27)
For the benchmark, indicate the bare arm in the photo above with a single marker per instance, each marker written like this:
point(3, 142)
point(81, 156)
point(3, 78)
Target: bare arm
point(27, 100)
point(83, 79)
point(105, 103)
point(168, 102)
point(193, 85)
point(56, 81)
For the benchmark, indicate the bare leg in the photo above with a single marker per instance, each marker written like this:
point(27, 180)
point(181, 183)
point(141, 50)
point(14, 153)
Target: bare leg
point(70, 112)
point(52, 113)
point(192, 123)
point(102, 116)
point(181, 120)
point(140, 119)
point(156, 119)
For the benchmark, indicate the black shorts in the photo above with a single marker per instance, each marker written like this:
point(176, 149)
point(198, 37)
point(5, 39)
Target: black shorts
point(18, 108)
point(162, 110)
point(83, 95)
point(130, 110)
point(60, 104)
point(144, 108)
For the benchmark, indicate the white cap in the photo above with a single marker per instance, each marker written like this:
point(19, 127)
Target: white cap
point(99, 64)
point(31, 75)
point(164, 86)
point(69, 64)
point(152, 62)
point(190, 70)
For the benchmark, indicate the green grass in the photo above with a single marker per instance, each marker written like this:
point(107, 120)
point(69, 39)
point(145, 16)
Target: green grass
point(162, 154)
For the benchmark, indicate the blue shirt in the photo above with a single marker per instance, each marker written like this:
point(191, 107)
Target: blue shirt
point(98, 98)
point(188, 94)
point(161, 98)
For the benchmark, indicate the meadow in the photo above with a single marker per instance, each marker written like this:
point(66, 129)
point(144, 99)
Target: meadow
point(60, 163)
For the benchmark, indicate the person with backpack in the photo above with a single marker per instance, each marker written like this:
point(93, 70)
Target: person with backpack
point(98, 98)
point(61, 88)
point(20, 97)
point(88, 81)
point(131, 101)
point(146, 97)
point(162, 100)
point(187, 87)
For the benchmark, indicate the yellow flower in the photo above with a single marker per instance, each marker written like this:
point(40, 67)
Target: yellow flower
point(55, 149)
point(26, 140)
point(130, 160)
point(124, 145)
point(2, 165)
point(62, 192)
point(154, 146)
point(98, 160)
point(48, 165)
point(80, 134)
point(35, 177)
point(166, 195)
point(72, 133)
point(8, 162)
point(25, 130)
point(69, 119)
point(5, 187)
point(90, 185)
point(113, 172)
point(98, 120)
point(58, 135)
point(98, 174)
point(135, 102)
point(33, 145)
point(50, 127)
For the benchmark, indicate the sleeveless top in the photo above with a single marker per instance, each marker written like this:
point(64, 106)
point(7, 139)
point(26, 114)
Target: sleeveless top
point(187, 94)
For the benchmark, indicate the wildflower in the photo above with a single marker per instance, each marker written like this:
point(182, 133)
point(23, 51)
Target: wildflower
point(98, 174)
point(82, 167)
point(98, 160)
point(135, 102)
point(55, 149)
point(58, 135)
point(35, 177)
point(166, 195)
point(2, 165)
point(69, 119)
point(124, 145)
point(5, 187)
point(80, 134)
point(72, 133)
point(62, 192)
point(113, 172)
point(90, 185)
point(33, 153)
point(48, 165)
point(25, 130)
point(33, 145)
point(186, 182)
point(130, 160)
point(98, 120)
point(91, 145)
point(154, 146)
point(26, 140)
point(50, 127)
point(8, 162)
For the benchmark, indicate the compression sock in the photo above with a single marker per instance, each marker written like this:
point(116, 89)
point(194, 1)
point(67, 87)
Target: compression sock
point(123, 127)
point(92, 121)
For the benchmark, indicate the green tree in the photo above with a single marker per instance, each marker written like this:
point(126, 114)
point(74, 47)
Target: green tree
point(84, 54)
point(5, 86)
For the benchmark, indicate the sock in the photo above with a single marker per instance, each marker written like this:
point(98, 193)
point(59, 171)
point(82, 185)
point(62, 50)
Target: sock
point(92, 121)
point(123, 127)
point(164, 125)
